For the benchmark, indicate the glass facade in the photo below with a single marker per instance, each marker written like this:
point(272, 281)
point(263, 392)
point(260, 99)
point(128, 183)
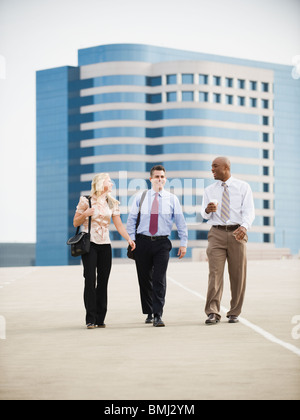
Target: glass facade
point(163, 106)
point(53, 95)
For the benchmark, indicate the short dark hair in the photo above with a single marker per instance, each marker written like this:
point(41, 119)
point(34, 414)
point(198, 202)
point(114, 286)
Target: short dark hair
point(157, 168)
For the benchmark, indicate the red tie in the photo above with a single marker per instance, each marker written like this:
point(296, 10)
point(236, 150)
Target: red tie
point(153, 228)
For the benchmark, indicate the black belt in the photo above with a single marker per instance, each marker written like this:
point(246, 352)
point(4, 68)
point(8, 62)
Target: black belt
point(152, 238)
point(228, 228)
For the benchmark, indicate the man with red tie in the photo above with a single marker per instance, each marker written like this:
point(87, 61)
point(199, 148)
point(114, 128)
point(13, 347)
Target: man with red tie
point(159, 211)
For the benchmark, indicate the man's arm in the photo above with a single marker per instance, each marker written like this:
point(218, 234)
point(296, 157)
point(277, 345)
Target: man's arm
point(207, 208)
point(181, 227)
point(248, 215)
point(132, 217)
point(248, 209)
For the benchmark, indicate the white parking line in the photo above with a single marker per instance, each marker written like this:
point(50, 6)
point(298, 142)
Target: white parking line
point(245, 322)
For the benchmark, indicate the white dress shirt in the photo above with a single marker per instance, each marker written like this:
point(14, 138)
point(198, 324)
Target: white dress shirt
point(242, 211)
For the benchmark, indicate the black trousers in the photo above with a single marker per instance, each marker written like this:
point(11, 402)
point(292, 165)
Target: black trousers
point(152, 258)
point(97, 266)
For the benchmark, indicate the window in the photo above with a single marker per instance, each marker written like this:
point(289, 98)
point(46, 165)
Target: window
point(217, 80)
point(217, 98)
point(253, 102)
point(266, 221)
point(188, 79)
point(266, 204)
point(241, 84)
point(154, 99)
point(266, 187)
point(241, 100)
point(265, 120)
point(153, 81)
point(265, 87)
point(171, 79)
point(265, 170)
point(266, 154)
point(253, 85)
point(266, 137)
point(203, 79)
point(267, 237)
point(202, 235)
point(187, 96)
point(265, 103)
point(229, 82)
point(229, 99)
point(171, 96)
point(203, 96)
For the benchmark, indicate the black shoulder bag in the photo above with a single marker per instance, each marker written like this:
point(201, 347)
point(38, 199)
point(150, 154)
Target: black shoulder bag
point(130, 254)
point(80, 243)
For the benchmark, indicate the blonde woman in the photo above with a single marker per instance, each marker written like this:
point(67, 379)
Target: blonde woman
point(97, 263)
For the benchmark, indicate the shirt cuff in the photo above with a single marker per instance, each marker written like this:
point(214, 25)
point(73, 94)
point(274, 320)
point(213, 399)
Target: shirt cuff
point(207, 216)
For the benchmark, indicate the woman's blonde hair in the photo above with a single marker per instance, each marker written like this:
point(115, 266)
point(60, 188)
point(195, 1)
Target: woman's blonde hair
point(98, 189)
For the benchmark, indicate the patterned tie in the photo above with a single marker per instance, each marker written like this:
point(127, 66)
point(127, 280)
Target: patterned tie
point(153, 227)
point(225, 210)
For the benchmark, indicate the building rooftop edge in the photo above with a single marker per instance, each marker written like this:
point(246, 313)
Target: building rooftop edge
point(185, 55)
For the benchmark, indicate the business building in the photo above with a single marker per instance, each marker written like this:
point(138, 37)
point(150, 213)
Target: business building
point(127, 107)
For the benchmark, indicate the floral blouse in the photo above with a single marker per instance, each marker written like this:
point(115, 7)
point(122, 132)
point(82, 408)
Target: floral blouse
point(100, 220)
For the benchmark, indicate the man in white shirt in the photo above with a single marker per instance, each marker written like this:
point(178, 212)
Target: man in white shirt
point(228, 206)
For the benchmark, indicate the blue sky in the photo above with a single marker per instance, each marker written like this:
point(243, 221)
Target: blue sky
point(39, 34)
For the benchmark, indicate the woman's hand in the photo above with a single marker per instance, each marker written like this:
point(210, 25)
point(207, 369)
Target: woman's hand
point(132, 244)
point(89, 212)
point(79, 218)
point(122, 231)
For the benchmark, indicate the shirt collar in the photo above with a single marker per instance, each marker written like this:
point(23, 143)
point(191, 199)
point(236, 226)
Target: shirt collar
point(160, 192)
point(228, 182)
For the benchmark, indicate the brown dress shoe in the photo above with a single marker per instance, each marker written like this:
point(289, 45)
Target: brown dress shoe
point(212, 319)
point(232, 319)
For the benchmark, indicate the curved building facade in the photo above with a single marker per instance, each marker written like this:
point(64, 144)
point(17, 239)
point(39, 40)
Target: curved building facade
point(126, 108)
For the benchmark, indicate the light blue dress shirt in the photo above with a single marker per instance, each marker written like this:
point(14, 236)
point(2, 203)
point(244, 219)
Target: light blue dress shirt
point(170, 212)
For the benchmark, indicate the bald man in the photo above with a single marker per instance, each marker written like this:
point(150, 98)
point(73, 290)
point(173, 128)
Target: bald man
point(229, 208)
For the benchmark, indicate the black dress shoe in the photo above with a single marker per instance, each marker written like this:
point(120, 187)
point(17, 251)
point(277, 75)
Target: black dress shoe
point(149, 320)
point(232, 319)
point(212, 319)
point(158, 322)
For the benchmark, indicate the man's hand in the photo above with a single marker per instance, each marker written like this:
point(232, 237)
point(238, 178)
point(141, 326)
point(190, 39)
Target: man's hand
point(211, 208)
point(240, 233)
point(181, 252)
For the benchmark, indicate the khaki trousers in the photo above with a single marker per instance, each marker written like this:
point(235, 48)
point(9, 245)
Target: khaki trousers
point(223, 246)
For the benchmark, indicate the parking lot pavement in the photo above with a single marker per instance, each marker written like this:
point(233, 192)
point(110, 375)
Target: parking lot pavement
point(47, 353)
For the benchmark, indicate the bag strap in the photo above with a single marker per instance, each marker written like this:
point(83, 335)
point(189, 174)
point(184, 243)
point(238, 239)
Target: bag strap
point(90, 217)
point(139, 214)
